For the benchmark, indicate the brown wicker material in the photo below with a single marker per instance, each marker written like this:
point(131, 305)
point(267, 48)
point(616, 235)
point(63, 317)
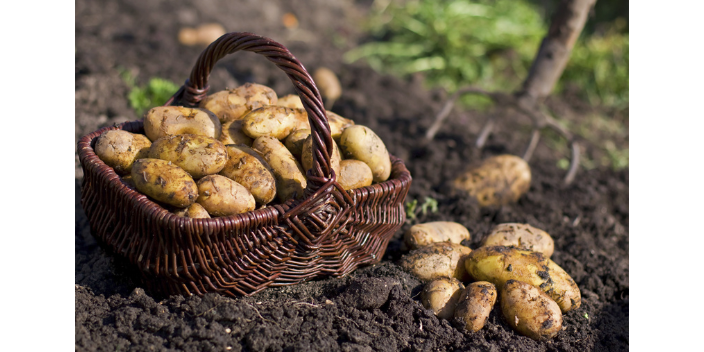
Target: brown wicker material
point(329, 233)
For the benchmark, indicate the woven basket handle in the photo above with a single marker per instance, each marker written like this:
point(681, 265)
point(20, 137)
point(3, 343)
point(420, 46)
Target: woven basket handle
point(196, 88)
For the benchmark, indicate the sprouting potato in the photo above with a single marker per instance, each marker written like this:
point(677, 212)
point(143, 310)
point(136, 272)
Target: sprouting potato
point(233, 104)
point(337, 125)
point(498, 180)
point(232, 133)
point(354, 174)
point(291, 101)
point(249, 169)
point(361, 143)
point(163, 121)
point(530, 311)
point(119, 149)
point(198, 155)
point(194, 211)
point(295, 141)
point(221, 196)
point(522, 236)
point(441, 296)
point(498, 264)
point(307, 156)
point(438, 231)
point(437, 260)
point(290, 179)
point(328, 84)
point(272, 121)
point(164, 181)
point(475, 304)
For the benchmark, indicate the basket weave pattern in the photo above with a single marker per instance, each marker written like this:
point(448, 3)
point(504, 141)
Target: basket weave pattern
point(328, 233)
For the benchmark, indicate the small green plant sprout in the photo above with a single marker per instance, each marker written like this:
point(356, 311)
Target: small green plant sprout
point(429, 204)
point(156, 92)
point(411, 209)
point(586, 316)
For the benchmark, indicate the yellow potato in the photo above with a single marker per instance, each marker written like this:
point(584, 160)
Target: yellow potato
point(119, 149)
point(271, 121)
point(521, 236)
point(328, 84)
point(354, 174)
point(499, 180)
point(198, 155)
point(438, 231)
point(233, 104)
point(164, 181)
point(337, 125)
point(441, 296)
point(291, 101)
point(307, 156)
point(194, 211)
point(201, 35)
point(232, 133)
point(294, 142)
point(300, 116)
point(249, 169)
point(163, 121)
point(290, 179)
point(361, 143)
point(221, 196)
point(437, 260)
point(475, 304)
point(530, 311)
point(499, 264)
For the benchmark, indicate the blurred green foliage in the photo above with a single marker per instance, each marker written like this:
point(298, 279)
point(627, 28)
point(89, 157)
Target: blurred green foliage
point(155, 93)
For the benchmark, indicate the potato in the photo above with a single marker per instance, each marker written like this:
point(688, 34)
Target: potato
point(499, 180)
point(354, 174)
point(164, 181)
point(337, 125)
point(119, 149)
point(233, 104)
point(232, 133)
point(437, 260)
point(198, 155)
point(441, 295)
point(438, 231)
point(221, 196)
point(328, 84)
point(163, 121)
point(475, 304)
point(498, 264)
point(201, 35)
point(361, 143)
point(194, 211)
point(294, 142)
point(522, 236)
point(290, 179)
point(301, 118)
point(307, 156)
point(291, 101)
point(272, 121)
point(530, 311)
point(248, 168)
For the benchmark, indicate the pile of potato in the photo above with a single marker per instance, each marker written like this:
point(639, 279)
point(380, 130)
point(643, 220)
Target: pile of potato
point(513, 263)
point(240, 149)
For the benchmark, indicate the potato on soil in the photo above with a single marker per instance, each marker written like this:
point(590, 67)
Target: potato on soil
point(328, 84)
point(475, 304)
point(232, 133)
point(194, 211)
point(522, 236)
point(119, 149)
point(294, 142)
point(290, 179)
point(233, 104)
point(201, 35)
point(163, 121)
point(530, 311)
point(198, 155)
point(248, 168)
point(291, 101)
point(165, 182)
point(361, 143)
point(498, 264)
point(438, 231)
point(354, 174)
point(337, 125)
point(499, 180)
point(441, 295)
point(221, 196)
point(271, 121)
point(437, 260)
point(307, 156)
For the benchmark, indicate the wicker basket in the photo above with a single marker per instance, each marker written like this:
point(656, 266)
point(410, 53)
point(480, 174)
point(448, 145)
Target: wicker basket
point(329, 233)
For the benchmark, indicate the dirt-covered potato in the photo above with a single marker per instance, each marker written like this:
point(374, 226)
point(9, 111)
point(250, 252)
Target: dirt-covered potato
point(290, 178)
point(354, 174)
point(164, 181)
point(328, 84)
point(294, 142)
point(530, 311)
point(437, 231)
point(437, 260)
point(441, 296)
point(232, 104)
point(232, 133)
point(475, 304)
point(163, 121)
point(307, 156)
point(361, 143)
point(119, 149)
point(498, 264)
point(300, 116)
point(499, 180)
point(337, 125)
point(249, 169)
point(272, 121)
point(198, 155)
point(194, 211)
point(221, 196)
point(521, 236)
point(291, 101)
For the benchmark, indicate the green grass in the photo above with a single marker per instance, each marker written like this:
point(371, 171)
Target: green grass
point(154, 93)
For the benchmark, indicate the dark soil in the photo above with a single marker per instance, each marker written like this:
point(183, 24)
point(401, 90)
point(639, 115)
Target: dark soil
point(376, 308)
